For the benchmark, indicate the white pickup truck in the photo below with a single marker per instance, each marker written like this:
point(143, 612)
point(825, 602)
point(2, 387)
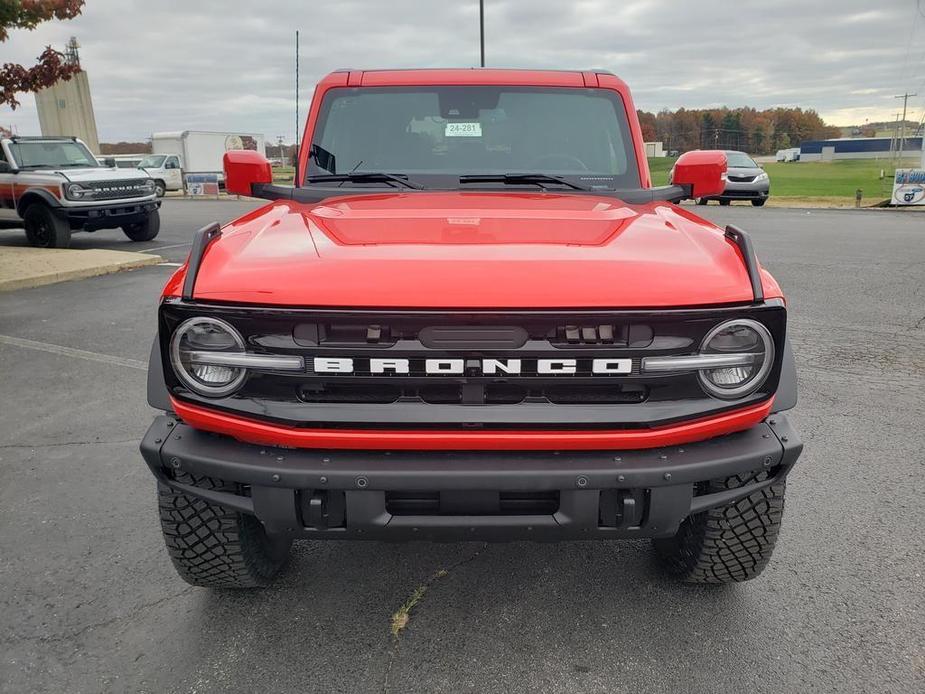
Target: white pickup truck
point(53, 186)
point(177, 154)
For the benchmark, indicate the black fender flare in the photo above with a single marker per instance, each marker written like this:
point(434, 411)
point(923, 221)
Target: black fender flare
point(158, 396)
point(786, 397)
point(31, 196)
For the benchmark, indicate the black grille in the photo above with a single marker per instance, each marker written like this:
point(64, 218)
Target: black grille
point(114, 190)
point(740, 179)
point(472, 397)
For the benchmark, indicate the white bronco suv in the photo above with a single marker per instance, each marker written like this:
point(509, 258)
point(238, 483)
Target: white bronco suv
point(54, 185)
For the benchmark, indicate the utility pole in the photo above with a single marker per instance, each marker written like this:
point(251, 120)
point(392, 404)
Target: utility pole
point(482, 31)
point(902, 125)
point(894, 139)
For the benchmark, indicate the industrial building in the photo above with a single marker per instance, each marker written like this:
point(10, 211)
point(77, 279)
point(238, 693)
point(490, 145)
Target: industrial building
point(858, 148)
point(66, 109)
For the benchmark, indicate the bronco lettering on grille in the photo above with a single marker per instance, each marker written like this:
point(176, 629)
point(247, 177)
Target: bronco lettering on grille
point(471, 367)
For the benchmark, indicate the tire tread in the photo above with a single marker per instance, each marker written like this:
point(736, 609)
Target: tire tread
point(215, 547)
point(728, 544)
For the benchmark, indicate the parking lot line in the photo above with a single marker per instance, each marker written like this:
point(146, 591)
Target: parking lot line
point(72, 352)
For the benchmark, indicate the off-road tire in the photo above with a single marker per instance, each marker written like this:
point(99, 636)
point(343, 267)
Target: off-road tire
point(759, 202)
point(146, 229)
point(45, 229)
point(724, 202)
point(728, 544)
point(215, 547)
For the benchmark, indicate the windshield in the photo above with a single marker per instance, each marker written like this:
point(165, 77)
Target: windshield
point(740, 159)
point(51, 154)
point(430, 132)
point(152, 161)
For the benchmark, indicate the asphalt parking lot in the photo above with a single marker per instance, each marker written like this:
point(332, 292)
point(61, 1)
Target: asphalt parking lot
point(89, 601)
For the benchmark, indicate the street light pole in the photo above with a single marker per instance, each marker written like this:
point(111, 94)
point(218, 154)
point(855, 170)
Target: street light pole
point(482, 31)
point(295, 178)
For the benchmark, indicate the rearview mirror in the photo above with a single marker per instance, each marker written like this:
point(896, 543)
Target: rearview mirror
point(244, 169)
point(701, 172)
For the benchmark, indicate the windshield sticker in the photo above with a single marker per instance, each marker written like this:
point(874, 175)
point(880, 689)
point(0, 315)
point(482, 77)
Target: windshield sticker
point(463, 130)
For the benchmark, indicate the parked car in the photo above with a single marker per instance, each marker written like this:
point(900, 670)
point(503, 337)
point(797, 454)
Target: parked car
point(473, 317)
point(121, 161)
point(745, 180)
point(54, 186)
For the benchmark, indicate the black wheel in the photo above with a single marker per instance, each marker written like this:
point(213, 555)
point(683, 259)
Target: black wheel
point(728, 544)
point(214, 547)
point(146, 229)
point(702, 201)
point(724, 202)
point(159, 188)
point(759, 202)
point(44, 229)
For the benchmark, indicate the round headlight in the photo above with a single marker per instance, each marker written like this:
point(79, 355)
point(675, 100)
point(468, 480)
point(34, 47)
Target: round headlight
point(740, 337)
point(148, 186)
point(197, 335)
point(76, 191)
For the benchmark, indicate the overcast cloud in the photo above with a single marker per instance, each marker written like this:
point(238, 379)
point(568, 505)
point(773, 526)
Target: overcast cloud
point(222, 65)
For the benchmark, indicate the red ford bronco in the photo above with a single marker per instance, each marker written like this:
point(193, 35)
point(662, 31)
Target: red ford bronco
point(472, 318)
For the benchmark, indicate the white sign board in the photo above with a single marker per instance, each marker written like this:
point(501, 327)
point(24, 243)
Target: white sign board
point(909, 187)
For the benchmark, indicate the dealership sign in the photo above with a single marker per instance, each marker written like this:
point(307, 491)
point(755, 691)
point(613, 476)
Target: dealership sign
point(909, 187)
point(202, 184)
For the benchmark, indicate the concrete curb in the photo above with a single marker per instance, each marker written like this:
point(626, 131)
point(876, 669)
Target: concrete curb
point(23, 267)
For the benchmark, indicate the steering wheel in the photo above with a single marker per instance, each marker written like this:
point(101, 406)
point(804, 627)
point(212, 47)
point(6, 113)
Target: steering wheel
point(567, 159)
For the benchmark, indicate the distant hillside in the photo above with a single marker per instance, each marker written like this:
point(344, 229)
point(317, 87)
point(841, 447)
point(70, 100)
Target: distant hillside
point(125, 148)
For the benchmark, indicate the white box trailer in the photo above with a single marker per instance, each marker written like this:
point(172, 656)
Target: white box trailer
point(201, 151)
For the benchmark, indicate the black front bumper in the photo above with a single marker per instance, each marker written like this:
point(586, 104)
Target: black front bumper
point(480, 495)
point(105, 216)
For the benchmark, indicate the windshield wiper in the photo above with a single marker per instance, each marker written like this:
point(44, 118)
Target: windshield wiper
point(516, 178)
point(363, 177)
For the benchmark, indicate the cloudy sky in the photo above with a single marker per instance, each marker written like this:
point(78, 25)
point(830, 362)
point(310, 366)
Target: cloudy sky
point(228, 65)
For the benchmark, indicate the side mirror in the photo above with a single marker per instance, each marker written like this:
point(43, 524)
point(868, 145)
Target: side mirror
point(245, 168)
point(701, 172)
point(109, 162)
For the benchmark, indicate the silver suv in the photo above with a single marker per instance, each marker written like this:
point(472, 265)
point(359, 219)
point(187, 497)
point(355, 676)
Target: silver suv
point(54, 185)
point(745, 180)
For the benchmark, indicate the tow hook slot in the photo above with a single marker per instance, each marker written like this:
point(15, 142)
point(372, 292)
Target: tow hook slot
point(323, 509)
point(620, 508)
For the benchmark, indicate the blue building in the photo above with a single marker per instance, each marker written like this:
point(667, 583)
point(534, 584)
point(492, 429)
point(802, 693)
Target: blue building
point(857, 148)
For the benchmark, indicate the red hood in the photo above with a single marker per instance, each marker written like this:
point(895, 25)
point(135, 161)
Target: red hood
point(473, 250)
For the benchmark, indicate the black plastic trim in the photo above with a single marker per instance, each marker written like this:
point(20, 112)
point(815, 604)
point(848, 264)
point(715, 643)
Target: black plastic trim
point(201, 241)
point(318, 193)
point(46, 197)
point(158, 396)
point(744, 244)
point(277, 478)
point(786, 395)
